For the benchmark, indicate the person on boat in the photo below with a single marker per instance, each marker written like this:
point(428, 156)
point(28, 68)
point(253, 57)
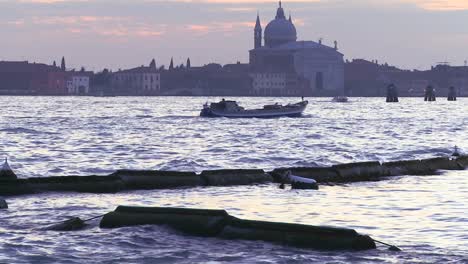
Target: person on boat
point(223, 103)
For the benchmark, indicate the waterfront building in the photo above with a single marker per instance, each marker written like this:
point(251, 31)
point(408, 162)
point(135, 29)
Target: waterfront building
point(137, 81)
point(78, 83)
point(369, 78)
point(276, 84)
point(318, 68)
point(24, 78)
point(208, 80)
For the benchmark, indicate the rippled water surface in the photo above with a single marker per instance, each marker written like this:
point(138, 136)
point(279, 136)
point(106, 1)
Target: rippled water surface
point(54, 136)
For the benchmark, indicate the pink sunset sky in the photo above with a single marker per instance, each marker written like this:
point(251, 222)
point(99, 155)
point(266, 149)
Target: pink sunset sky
point(125, 33)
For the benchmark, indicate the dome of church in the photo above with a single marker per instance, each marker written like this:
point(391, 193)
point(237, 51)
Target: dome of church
point(280, 30)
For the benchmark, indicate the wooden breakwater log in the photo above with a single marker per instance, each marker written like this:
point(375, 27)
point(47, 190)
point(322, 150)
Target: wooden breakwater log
point(442, 163)
point(72, 224)
point(359, 171)
point(407, 167)
point(153, 179)
point(463, 161)
point(15, 187)
point(234, 177)
point(316, 237)
point(319, 174)
point(84, 184)
point(3, 204)
point(201, 222)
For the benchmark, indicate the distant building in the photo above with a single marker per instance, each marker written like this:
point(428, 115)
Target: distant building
point(209, 80)
point(137, 81)
point(369, 78)
point(78, 83)
point(276, 84)
point(440, 77)
point(31, 79)
point(319, 69)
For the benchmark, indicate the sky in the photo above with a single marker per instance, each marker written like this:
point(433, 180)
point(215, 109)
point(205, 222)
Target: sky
point(118, 34)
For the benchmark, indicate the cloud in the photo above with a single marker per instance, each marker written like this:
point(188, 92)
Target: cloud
point(239, 9)
point(441, 5)
point(220, 27)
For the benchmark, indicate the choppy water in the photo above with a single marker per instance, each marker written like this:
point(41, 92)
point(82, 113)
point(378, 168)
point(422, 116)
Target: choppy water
point(45, 136)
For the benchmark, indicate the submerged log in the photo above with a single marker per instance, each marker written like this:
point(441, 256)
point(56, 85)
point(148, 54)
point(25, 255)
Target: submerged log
point(152, 179)
point(3, 204)
point(73, 224)
point(235, 177)
point(207, 223)
point(199, 222)
point(317, 237)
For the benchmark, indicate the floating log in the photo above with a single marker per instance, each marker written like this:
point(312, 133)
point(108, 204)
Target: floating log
point(235, 177)
point(73, 224)
point(135, 180)
point(463, 161)
point(359, 171)
point(6, 173)
point(319, 174)
point(3, 204)
point(207, 223)
point(15, 187)
point(198, 222)
point(307, 236)
point(152, 179)
point(84, 184)
point(407, 167)
point(442, 163)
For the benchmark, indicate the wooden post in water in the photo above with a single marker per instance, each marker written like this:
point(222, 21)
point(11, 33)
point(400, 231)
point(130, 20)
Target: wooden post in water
point(392, 94)
point(429, 94)
point(452, 95)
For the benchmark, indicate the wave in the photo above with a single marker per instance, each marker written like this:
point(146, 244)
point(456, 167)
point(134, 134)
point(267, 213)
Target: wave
point(22, 130)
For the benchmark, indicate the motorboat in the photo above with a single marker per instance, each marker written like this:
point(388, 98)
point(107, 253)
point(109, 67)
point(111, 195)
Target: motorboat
point(340, 99)
point(232, 109)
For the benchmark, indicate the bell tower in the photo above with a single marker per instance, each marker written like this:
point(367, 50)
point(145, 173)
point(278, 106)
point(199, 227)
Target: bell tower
point(258, 33)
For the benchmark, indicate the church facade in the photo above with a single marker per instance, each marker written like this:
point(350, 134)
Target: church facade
point(282, 65)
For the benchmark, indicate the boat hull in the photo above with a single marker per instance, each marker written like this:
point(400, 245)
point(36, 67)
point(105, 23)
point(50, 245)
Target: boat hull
point(260, 113)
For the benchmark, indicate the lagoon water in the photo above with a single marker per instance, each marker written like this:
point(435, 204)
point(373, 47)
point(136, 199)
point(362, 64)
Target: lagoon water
point(59, 136)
